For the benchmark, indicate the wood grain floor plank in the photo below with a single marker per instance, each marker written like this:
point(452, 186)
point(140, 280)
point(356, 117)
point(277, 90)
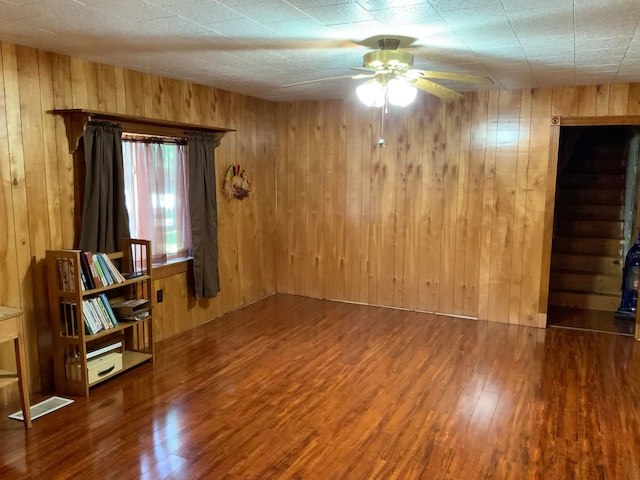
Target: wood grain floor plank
point(297, 388)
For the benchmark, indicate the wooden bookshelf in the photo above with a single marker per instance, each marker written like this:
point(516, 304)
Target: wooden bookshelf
point(121, 347)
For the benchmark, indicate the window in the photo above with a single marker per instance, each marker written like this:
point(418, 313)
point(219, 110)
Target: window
point(156, 189)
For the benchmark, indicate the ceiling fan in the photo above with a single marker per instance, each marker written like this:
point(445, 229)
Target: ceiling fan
point(394, 80)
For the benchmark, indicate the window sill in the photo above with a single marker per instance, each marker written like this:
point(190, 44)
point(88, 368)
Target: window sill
point(164, 270)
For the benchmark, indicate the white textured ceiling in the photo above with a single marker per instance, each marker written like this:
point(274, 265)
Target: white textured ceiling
point(253, 47)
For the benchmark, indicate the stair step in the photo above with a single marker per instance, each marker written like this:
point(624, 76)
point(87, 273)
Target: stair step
point(590, 196)
point(603, 166)
point(584, 282)
point(611, 213)
point(606, 159)
point(593, 181)
point(609, 150)
point(591, 229)
point(608, 303)
point(588, 246)
point(586, 263)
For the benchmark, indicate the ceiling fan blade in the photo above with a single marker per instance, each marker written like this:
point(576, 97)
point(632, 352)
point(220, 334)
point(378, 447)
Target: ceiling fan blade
point(457, 77)
point(437, 90)
point(355, 77)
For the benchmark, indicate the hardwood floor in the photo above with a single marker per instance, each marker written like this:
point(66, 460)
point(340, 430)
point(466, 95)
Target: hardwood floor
point(594, 320)
point(295, 388)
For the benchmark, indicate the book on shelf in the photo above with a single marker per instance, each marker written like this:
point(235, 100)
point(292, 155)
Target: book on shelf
point(109, 310)
point(102, 267)
point(105, 349)
point(86, 272)
point(68, 318)
point(91, 322)
point(103, 277)
point(83, 280)
point(66, 275)
point(98, 314)
point(129, 276)
point(103, 271)
point(131, 310)
point(105, 308)
point(115, 273)
point(63, 276)
point(94, 271)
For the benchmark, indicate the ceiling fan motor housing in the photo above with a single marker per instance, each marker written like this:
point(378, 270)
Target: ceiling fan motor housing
point(388, 60)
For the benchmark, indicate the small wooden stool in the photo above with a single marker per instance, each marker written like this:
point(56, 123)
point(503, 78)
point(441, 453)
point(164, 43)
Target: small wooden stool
point(11, 329)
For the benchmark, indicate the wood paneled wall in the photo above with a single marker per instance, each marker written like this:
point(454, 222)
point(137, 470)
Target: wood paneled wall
point(37, 196)
point(450, 217)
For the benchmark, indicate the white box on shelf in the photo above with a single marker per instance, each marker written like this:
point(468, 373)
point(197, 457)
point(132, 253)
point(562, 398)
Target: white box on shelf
point(103, 366)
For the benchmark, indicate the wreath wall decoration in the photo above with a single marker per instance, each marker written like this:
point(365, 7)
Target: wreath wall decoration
point(236, 183)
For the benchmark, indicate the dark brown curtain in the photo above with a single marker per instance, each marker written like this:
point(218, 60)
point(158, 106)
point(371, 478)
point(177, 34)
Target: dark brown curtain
point(204, 214)
point(105, 221)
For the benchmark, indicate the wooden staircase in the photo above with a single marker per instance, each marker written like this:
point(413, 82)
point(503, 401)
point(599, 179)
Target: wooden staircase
point(587, 257)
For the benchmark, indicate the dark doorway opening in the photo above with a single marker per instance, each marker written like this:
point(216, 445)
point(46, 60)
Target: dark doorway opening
point(594, 225)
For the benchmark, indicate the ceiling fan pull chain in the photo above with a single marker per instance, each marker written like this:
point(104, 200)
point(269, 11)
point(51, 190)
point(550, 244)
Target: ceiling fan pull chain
point(386, 98)
point(381, 142)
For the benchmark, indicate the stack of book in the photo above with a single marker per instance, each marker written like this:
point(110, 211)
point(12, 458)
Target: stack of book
point(131, 310)
point(98, 271)
point(98, 314)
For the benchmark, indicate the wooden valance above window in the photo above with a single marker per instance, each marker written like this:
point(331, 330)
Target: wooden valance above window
point(76, 119)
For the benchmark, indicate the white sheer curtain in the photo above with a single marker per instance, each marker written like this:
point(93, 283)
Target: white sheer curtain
point(157, 189)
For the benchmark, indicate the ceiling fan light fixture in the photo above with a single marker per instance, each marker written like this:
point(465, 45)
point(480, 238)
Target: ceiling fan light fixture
point(372, 93)
point(401, 93)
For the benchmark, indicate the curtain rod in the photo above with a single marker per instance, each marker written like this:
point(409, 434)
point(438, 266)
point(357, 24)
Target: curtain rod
point(150, 138)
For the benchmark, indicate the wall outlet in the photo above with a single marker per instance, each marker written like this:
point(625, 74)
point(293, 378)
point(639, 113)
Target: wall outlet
point(159, 296)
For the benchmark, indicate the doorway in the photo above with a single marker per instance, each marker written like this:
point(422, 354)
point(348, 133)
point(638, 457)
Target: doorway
point(594, 225)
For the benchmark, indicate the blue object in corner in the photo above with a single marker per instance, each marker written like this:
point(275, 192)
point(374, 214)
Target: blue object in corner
point(630, 280)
